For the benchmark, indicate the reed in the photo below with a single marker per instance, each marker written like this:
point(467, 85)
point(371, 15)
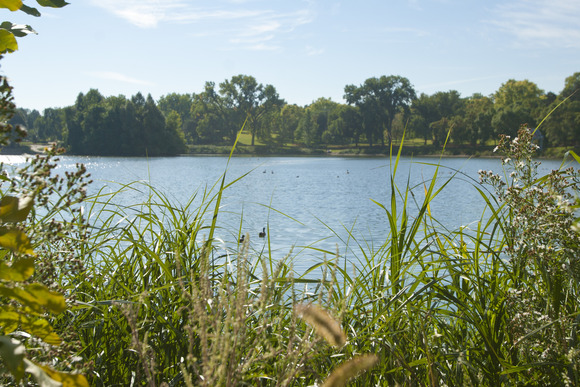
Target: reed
point(160, 302)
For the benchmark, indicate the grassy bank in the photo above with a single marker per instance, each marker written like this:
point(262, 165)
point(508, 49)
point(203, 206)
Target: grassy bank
point(155, 300)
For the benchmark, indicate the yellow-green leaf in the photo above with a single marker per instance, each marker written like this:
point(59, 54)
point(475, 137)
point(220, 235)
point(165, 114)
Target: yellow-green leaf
point(13, 209)
point(67, 380)
point(52, 301)
point(36, 297)
point(20, 270)
point(41, 328)
point(13, 5)
point(15, 240)
point(9, 320)
point(7, 41)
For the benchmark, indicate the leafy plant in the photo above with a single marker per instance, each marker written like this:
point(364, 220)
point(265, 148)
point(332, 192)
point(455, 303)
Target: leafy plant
point(24, 303)
point(10, 31)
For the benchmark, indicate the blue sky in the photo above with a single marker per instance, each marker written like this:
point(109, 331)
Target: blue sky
point(306, 48)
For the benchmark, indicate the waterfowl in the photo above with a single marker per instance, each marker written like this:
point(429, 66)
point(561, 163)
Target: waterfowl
point(262, 233)
point(242, 238)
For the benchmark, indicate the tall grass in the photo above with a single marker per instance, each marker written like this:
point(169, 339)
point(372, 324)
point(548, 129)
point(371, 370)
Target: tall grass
point(161, 303)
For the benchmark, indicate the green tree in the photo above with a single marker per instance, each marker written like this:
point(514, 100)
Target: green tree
point(379, 100)
point(423, 113)
point(290, 116)
point(563, 126)
point(478, 114)
point(307, 132)
point(211, 118)
point(516, 103)
point(243, 94)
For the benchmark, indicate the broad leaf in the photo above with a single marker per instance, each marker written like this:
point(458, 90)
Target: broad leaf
point(9, 319)
point(7, 42)
point(41, 328)
point(52, 301)
point(19, 271)
point(19, 30)
point(52, 3)
point(12, 319)
point(12, 352)
point(15, 240)
point(13, 209)
point(30, 10)
point(67, 380)
point(36, 297)
point(13, 5)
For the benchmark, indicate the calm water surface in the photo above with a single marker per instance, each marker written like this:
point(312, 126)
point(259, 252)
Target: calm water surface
point(302, 200)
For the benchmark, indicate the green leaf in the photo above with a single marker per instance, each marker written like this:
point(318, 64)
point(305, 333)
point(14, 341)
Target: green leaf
point(12, 319)
point(30, 10)
point(12, 352)
point(576, 157)
point(20, 270)
point(18, 30)
point(15, 240)
point(36, 297)
point(67, 380)
point(9, 319)
point(52, 301)
point(7, 41)
point(13, 209)
point(13, 5)
point(52, 3)
point(41, 328)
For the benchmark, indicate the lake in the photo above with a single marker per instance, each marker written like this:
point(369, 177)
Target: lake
point(303, 201)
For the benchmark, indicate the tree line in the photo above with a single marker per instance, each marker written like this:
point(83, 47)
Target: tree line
point(375, 113)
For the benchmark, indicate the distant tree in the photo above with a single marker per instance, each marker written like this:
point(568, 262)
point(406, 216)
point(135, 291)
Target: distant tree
point(243, 95)
point(379, 100)
point(428, 110)
point(290, 116)
point(516, 103)
point(307, 132)
point(562, 127)
point(50, 126)
point(478, 115)
point(96, 125)
point(423, 112)
point(180, 104)
point(212, 118)
point(440, 129)
point(343, 127)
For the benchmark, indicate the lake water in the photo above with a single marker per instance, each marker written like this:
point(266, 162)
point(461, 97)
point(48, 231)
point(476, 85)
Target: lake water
point(303, 201)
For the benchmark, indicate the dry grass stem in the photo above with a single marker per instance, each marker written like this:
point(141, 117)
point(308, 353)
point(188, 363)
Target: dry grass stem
point(350, 369)
point(323, 323)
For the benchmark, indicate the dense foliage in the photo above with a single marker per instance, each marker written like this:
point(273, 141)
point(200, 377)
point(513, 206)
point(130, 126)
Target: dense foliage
point(377, 111)
point(32, 251)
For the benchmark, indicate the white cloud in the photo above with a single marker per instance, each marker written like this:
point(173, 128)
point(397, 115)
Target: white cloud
point(242, 19)
point(113, 76)
point(541, 22)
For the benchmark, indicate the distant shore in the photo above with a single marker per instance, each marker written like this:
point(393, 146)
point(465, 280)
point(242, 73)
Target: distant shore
point(296, 151)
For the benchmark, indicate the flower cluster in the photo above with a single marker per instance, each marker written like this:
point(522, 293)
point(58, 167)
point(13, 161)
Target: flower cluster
point(541, 244)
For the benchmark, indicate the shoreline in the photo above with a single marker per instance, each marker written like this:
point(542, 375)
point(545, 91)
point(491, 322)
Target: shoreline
point(354, 152)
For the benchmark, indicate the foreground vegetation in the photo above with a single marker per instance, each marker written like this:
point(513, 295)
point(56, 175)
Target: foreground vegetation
point(144, 294)
point(152, 299)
